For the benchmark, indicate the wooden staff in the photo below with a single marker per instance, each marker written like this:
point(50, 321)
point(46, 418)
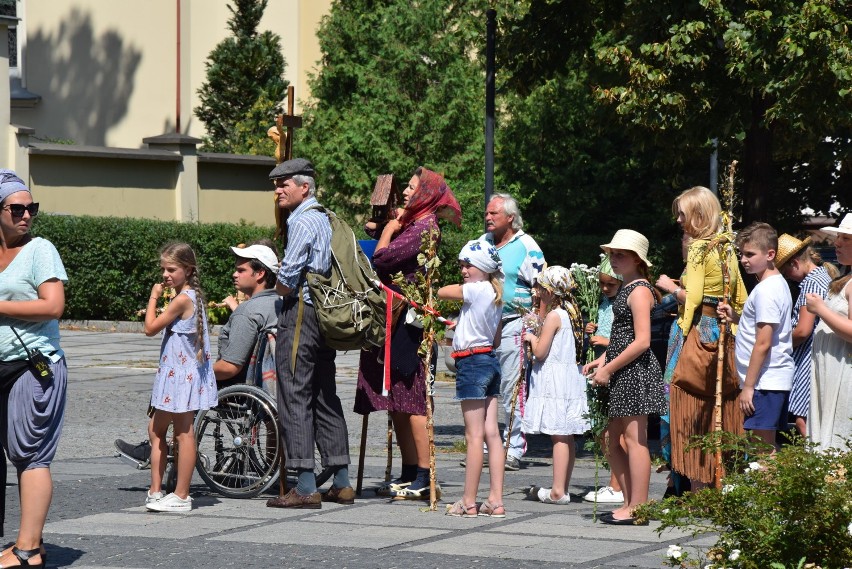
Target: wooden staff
point(723, 246)
point(363, 451)
point(516, 391)
point(389, 465)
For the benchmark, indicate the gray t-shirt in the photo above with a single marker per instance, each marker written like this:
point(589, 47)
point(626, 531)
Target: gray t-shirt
point(238, 337)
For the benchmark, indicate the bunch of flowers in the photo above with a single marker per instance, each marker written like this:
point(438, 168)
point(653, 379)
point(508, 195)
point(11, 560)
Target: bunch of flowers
point(168, 295)
point(789, 510)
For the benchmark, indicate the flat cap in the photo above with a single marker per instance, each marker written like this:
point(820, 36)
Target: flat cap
point(290, 168)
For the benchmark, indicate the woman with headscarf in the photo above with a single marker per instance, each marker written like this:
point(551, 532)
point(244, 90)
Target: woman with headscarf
point(699, 214)
point(34, 374)
point(426, 198)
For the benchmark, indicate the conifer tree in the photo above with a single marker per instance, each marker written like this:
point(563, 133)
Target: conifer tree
point(244, 84)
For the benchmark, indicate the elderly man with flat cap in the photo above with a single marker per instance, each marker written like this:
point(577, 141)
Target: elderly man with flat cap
point(308, 406)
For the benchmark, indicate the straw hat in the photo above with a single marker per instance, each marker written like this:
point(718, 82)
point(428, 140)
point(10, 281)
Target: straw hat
point(844, 227)
point(631, 241)
point(789, 247)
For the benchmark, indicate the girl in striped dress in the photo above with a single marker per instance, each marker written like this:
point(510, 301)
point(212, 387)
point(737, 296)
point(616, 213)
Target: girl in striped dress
point(798, 262)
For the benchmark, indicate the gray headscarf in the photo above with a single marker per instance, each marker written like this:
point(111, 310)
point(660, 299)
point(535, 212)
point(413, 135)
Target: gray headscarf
point(10, 183)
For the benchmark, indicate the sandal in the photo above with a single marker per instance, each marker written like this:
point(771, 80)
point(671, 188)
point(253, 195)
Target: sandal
point(41, 549)
point(459, 510)
point(488, 510)
point(24, 556)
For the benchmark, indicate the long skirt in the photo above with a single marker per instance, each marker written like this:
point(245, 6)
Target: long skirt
point(691, 416)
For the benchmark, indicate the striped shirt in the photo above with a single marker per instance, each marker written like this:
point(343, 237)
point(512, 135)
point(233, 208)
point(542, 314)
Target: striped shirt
point(308, 246)
point(816, 282)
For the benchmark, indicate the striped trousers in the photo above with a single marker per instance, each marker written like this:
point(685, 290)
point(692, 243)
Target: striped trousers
point(309, 409)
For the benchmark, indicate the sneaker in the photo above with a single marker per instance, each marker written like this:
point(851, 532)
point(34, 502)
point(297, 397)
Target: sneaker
point(140, 452)
point(390, 487)
point(463, 463)
point(544, 497)
point(513, 464)
point(171, 503)
point(605, 495)
point(151, 498)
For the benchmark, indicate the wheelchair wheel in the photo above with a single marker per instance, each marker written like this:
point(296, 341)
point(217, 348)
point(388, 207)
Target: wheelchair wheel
point(238, 442)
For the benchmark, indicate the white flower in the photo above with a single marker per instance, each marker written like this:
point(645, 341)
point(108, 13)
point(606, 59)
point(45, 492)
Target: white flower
point(674, 551)
point(666, 511)
point(849, 529)
point(752, 466)
point(728, 488)
point(735, 554)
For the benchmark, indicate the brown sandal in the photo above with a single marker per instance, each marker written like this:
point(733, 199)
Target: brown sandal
point(488, 510)
point(460, 510)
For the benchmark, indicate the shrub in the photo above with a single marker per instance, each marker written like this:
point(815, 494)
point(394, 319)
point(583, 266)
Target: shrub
point(112, 262)
point(793, 509)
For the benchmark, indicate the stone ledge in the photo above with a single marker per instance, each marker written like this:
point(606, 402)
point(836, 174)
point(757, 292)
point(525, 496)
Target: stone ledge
point(113, 326)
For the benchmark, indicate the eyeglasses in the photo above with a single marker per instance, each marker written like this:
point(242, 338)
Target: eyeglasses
point(17, 210)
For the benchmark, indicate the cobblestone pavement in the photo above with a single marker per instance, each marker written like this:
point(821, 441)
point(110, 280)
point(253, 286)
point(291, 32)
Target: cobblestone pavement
point(97, 518)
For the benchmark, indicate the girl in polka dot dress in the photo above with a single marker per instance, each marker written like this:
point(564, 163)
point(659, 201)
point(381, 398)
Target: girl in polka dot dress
point(632, 372)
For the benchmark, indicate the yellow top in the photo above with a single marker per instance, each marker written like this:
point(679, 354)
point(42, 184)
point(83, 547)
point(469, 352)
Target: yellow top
point(703, 277)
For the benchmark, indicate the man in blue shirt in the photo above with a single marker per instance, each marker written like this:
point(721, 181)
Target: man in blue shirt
point(522, 261)
point(308, 406)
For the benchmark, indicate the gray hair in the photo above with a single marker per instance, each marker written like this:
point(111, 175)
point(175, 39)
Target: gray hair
point(312, 185)
point(510, 207)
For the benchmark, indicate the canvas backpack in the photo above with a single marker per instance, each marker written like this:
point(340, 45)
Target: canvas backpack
point(349, 302)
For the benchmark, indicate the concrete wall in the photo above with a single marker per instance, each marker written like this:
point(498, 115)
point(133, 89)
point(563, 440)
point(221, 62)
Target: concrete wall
point(107, 70)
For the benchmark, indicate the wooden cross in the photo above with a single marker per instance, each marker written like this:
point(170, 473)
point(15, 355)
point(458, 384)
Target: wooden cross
point(284, 141)
point(283, 152)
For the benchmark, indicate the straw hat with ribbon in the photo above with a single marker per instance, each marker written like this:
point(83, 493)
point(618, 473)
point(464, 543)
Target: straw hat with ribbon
point(629, 240)
point(789, 247)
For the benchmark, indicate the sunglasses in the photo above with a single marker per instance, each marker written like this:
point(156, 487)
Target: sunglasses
point(17, 210)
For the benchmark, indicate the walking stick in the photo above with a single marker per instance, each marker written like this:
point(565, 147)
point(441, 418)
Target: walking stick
point(389, 465)
point(723, 244)
point(361, 454)
point(516, 392)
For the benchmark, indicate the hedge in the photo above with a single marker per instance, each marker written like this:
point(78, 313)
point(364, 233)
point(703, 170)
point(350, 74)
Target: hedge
point(112, 262)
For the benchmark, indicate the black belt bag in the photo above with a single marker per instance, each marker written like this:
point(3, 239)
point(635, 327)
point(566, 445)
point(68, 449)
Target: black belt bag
point(36, 361)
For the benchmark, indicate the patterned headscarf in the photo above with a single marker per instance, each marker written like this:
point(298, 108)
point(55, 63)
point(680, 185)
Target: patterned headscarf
point(558, 280)
point(10, 183)
point(606, 268)
point(432, 195)
point(483, 256)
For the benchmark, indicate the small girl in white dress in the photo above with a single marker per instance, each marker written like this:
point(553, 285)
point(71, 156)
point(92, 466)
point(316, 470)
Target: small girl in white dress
point(557, 403)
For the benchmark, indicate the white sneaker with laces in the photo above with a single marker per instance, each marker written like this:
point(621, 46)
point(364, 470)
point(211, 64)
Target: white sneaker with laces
point(605, 495)
point(171, 503)
point(151, 498)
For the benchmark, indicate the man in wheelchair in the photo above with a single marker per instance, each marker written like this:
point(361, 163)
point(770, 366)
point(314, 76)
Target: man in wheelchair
point(255, 269)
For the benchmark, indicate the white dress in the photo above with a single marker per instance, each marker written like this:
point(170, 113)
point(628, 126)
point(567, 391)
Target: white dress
point(557, 403)
point(831, 381)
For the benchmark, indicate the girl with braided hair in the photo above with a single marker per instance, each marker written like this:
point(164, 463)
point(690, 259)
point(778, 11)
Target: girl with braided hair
point(557, 404)
point(185, 382)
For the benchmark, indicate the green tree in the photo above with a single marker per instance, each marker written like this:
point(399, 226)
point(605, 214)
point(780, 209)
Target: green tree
point(770, 79)
point(244, 84)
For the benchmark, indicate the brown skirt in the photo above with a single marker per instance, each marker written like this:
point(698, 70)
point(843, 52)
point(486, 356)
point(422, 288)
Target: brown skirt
point(694, 416)
point(407, 393)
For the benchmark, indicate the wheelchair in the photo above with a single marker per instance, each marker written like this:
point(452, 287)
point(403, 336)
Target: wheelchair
point(239, 444)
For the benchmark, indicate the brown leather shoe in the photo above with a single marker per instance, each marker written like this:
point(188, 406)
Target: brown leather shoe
point(295, 501)
point(340, 495)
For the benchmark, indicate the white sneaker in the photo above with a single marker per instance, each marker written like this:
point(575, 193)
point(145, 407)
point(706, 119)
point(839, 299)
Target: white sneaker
point(605, 495)
point(171, 503)
point(544, 497)
point(151, 498)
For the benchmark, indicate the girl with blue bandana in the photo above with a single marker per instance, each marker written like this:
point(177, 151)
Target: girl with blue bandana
point(477, 334)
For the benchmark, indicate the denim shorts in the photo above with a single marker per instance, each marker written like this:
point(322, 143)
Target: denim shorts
point(477, 376)
point(770, 411)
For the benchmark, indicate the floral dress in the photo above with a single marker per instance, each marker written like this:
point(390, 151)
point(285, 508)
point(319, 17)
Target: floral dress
point(185, 380)
point(637, 388)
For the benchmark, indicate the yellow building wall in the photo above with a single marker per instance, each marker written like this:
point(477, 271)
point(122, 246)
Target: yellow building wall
point(107, 69)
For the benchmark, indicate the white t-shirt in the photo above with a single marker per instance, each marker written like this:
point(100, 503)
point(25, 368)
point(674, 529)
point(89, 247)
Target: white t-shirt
point(479, 317)
point(769, 303)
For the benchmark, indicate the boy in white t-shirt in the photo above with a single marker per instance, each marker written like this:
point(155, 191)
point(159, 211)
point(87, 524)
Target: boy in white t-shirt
point(764, 343)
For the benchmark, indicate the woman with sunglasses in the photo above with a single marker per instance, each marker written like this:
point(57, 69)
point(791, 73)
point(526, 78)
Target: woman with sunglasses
point(32, 365)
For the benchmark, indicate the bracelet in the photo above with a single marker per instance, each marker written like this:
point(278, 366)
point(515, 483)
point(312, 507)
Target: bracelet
point(153, 298)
